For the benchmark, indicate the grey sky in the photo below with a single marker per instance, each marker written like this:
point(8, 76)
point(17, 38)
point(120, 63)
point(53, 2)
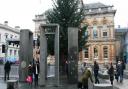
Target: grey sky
point(21, 12)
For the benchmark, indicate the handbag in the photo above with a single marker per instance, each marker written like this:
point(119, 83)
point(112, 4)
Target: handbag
point(29, 79)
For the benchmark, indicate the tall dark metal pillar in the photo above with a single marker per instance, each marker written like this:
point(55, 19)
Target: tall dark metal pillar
point(43, 57)
point(25, 52)
point(73, 55)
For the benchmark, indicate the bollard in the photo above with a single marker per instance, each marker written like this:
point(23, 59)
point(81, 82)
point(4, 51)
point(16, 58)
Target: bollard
point(12, 84)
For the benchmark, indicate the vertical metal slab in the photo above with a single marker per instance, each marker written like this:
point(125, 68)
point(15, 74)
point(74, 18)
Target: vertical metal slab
point(43, 57)
point(72, 55)
point(25, 52)
point(56, 50)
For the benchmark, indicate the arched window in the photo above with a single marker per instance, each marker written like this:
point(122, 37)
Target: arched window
point(95, 52)
point(105, 51)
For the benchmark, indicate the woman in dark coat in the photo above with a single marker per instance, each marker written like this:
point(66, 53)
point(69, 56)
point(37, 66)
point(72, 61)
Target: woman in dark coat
point(111, 73)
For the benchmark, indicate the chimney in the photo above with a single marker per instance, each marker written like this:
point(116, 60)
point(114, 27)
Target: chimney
point(17, 27)
point(6, 23)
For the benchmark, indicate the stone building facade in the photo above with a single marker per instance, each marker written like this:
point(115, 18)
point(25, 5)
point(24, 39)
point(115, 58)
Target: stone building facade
point(11, 50)
point(101, 40)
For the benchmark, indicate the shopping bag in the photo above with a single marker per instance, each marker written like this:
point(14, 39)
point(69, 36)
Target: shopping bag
point(29, 79)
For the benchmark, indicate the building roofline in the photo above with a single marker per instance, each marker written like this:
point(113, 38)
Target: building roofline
point(96, 5)
point(101, 12)
point(9, 28)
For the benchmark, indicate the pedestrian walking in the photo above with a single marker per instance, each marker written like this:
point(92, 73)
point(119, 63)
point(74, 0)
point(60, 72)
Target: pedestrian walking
point(87, 74)
point(7, 68)
point(120, 71)
point(96, 70)
point(111, 73)
point(36, 72)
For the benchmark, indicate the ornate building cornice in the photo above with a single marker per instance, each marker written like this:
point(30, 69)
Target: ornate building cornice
point(9, 28)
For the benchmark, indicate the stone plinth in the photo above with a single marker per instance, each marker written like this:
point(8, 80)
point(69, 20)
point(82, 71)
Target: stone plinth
point(103, 74)
point(12, 84)
point(103, 86)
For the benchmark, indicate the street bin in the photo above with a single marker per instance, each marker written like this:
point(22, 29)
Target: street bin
point(103, 86)
point(12, 84)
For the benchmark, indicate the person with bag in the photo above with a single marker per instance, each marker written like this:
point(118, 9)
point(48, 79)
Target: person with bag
point(30, 73)
point(111, 73)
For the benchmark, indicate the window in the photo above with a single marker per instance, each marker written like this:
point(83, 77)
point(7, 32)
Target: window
point(105, 34)
point(105, 50)
point(6, 35)
point(104, 9)
point(95, 33)
point(95, 9)
point(10, 52)
point(95, 52)
point(15, 52)
point(86, 53)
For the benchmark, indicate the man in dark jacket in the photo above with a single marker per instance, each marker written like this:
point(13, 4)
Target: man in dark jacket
point(120, 70)
point(36, 72)
point(111, 73)
point(7, 68)
point(96, 70)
